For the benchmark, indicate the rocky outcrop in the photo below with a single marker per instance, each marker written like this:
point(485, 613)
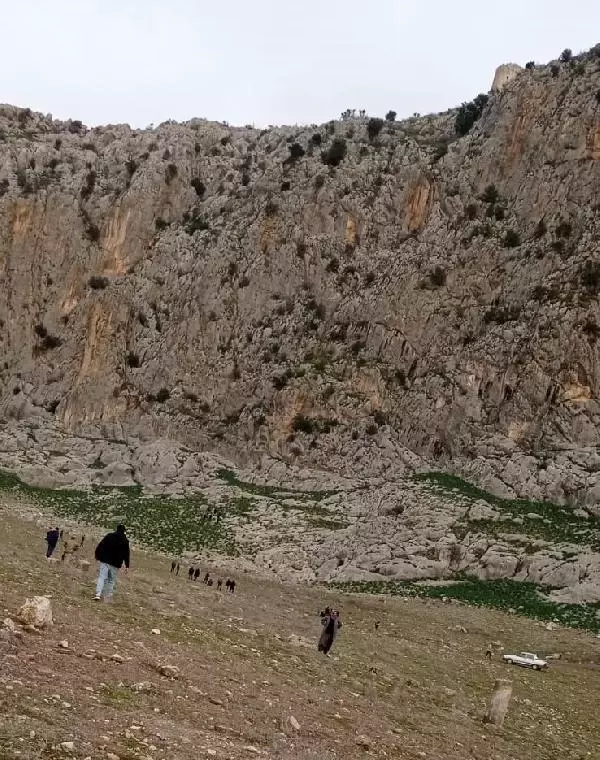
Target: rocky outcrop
point(356, 297)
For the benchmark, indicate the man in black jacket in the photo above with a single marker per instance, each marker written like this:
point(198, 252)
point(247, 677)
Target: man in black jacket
point(112, 552)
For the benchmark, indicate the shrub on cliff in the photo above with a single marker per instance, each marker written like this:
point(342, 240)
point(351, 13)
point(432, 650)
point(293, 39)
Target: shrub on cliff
point(296, 151)
point(98, 282)
point(374, 127)
point(590, 276)
point(390, 116)
point(469, 113)
point(566, 56)
point(170, 173)
point(512, 239)
point(198, 186)
point(336, 152)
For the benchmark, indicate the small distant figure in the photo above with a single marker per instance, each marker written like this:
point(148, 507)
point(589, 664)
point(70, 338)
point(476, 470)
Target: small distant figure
point(219, 584)
point(196, 573)
point(330, 620)
point(209, 582)
point(206, 577)
point(489, 651)
point(82, 541)
point(178, 568)
point(173, 566)
point(232, 586)
point(377, 625)
point(52, 537)
point(191, 573)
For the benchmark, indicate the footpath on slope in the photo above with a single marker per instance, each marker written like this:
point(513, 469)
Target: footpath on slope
point(249, 681)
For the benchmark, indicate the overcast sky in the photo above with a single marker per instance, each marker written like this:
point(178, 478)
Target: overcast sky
point(271, 61)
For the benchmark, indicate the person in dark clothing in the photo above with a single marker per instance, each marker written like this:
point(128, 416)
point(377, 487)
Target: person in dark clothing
point(209, 582)
point(232, 586)
point(196, 573)
point(178, 568)
point(206, 577)
point(82, 541)
point(173, 566)
point(331, 624)
point(191, 573)
point(219, 584)
point(228, 584)
point(112, 553)
point(52, 537)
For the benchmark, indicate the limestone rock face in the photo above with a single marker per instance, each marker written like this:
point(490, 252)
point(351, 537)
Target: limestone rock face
point(424, 300)
point(505, 74)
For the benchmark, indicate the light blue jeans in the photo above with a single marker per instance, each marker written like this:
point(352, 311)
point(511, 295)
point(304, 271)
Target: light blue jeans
point(107, 578)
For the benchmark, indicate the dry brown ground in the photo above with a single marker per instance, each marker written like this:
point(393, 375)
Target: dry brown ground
point(415, 689)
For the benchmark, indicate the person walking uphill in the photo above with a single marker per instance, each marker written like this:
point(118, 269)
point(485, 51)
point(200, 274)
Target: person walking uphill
point(331, 623)
point(112, 552)
point(51, 539)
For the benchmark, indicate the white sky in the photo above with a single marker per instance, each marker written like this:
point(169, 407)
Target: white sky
point(271, 61)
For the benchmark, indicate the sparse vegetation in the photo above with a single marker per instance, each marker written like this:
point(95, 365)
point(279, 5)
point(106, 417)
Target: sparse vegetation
point(471, 211)
point(374, 127)
point(47, 341)
point(335, 154)
point(590, 276)
point(391, 116)
point(193, 222)
point(133, 360)
point(198, 186)
point(98, 282)
point(89, 184)
point(566, 56)
point(540, 230)
point(501, 314)
point(523, 598)
point(303, 424)
point(437, 277)
point(512, 239)
point(296, 151)
point(170, 173)
point(490, 194)
point(162, 396)
point(469, 113)
point(131, 166)
point(564, 229)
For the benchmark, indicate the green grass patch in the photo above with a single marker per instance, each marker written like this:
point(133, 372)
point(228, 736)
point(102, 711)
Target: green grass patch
point(271, 492)
point(522, 598)
point(158, 522)
point(116, 695)
point(555, 523)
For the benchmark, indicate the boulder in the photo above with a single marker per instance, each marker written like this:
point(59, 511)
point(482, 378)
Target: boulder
point(36, 612)
point(168, 671)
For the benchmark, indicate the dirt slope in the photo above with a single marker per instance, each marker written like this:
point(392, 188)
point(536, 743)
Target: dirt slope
point(415, 689)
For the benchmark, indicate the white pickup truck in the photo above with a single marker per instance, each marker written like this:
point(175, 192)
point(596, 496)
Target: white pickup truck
point(525, 660)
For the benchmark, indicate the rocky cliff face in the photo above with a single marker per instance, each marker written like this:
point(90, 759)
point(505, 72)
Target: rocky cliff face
point(360, 297)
